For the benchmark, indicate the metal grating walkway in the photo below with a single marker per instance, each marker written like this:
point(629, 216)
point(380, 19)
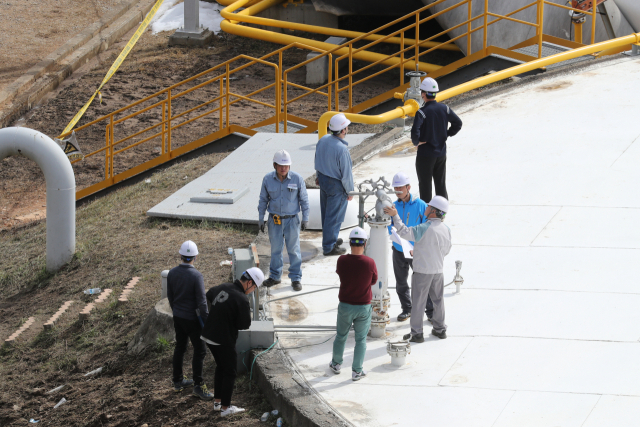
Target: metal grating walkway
point(549, 49)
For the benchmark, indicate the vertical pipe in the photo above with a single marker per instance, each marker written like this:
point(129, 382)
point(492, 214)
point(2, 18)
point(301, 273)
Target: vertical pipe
point(484, 32)
point(284, 95)
point(169, 123)
point(163, 291)
point(469, 14)
point(337, 87)
point(350, 76)
point(279, 93)
point(401, 59)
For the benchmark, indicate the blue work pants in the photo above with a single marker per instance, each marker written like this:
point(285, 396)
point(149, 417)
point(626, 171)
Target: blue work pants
point(360, 317)
point(333, 206)
point(287, 233)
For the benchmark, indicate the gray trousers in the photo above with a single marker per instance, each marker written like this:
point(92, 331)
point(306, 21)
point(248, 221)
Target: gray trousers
point(401, 267)
point(424, 286)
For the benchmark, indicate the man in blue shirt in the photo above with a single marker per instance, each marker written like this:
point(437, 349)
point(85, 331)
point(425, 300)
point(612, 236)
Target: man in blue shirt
point(334, 176)
point(283, 195)
point(429, 133)
point(411, 210)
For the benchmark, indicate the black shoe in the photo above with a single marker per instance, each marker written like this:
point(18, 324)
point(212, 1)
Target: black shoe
point(404, 316)
point(202, 392)
point(413, 338)
point(442, 335)
point(336, 251)
point(339, 241)
point(271, 282)
point(296, 285)
point(182, 384)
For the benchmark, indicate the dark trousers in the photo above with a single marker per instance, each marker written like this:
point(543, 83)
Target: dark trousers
point(226, 372)
point(429, 168)
point(401, 267)
point(188, 330)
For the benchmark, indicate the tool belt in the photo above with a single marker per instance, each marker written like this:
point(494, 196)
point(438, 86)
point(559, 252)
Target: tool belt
point(277, 219)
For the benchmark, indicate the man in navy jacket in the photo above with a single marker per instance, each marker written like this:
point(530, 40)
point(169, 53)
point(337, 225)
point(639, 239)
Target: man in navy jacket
point(429, 133)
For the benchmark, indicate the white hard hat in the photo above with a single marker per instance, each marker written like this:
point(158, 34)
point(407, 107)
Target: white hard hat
point(256, 275)
point(400, 180)
point(440, 203)
point(188, 249)
point(429, 85)
point(358, 233)
point(282, 158)
point(338, 122)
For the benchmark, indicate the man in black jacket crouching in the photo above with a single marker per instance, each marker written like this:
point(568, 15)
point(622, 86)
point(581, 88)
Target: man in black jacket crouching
point(229, 312)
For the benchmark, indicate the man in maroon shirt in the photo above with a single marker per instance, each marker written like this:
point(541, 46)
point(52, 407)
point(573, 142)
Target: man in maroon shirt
point(357, 274)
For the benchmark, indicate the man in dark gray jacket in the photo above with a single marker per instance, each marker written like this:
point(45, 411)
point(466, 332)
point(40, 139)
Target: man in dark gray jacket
point(185, 291)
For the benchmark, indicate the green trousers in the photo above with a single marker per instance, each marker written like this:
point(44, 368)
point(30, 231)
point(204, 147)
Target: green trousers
point(360, 317)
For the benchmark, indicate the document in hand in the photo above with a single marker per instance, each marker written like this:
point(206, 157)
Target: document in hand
point(407, 246)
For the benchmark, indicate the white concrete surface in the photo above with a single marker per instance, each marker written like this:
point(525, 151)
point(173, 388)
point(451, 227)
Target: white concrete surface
point(545, 215)
point(245, 167)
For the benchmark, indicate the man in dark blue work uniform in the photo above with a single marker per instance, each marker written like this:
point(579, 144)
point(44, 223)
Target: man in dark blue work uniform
point(429, 133)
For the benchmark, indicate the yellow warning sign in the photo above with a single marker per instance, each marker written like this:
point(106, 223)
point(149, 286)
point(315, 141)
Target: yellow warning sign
point(123, 55)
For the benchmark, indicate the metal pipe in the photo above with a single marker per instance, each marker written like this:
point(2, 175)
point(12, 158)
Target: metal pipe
point(300, 295)
point(61, 188)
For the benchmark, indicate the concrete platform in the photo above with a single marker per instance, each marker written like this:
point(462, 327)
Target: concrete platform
point(245, 167)
point(545, 217)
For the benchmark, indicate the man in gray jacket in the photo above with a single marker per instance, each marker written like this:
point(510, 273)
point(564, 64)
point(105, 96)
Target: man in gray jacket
point(185, 291)
point(432, 243)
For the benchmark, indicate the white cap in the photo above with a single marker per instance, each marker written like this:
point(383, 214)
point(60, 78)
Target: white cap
point(400, 180)
point(282, 158)
point(256, 274)
point(429, 85)
point(338, 122)
point(440, 203)
point(188, 249)
point(358, 233)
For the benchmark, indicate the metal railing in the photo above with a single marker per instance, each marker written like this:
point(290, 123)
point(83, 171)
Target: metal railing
point(217, 97)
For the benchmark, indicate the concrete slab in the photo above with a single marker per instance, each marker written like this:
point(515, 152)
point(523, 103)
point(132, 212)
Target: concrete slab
point(544, 216)
point(228, 174)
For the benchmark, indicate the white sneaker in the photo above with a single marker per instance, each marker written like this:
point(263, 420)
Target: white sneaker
point(356, 376)
point(231, 410)
point(335, 367)
point(217, 406)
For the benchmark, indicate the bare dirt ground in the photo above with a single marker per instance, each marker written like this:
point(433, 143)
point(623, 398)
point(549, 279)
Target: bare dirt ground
point(32, 29)
point(115, 242)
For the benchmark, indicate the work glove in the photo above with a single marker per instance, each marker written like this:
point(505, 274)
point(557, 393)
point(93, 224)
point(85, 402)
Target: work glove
point(304, 225)
point(262, 223)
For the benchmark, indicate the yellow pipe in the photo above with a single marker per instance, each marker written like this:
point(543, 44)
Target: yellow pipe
point(247, 16)
point(483, 81)
point(286, 39)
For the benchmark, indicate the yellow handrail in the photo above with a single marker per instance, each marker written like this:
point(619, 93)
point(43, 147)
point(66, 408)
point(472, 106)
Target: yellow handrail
point(483, 81)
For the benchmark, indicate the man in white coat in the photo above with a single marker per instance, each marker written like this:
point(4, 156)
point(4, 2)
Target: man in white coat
point(432, 243)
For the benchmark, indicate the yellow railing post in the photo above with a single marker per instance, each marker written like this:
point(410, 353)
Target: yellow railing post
point(220, 122)
point(350, 76)
point(469, 14)
point(111, 148)
point(577, 26)
point(169, 122)
point(164, 128)
point(402, 58)
point(337, 87)
point(278, 101)
point(106, 151)
point(484, 31)
point(417, 41)
point(540, 26)
point(594, 13)
point(227, 94)
point(286, 77)
point(330, 64)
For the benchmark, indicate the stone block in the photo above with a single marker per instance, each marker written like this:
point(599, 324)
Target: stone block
point(159, 322)
point(318, 70)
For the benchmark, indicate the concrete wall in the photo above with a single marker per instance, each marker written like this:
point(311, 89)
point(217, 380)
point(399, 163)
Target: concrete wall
point(507, 33)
